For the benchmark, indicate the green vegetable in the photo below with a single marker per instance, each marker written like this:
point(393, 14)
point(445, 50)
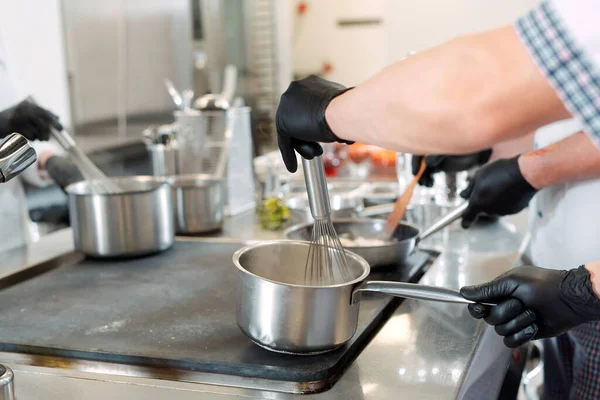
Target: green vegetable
point(272, 214)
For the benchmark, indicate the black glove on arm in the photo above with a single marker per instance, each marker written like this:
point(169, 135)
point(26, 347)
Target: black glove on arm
point(301, 120)
point(445, 163)
point(497, 189)
point(535, 303)
point(63, 171)
point(28, 119)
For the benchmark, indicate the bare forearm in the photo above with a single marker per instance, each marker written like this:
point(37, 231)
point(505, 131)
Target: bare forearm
point(456, 98)
point(572, 159)
point(594, 270)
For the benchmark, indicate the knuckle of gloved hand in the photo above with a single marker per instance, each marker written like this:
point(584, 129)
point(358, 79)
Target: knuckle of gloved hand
point(504, 312)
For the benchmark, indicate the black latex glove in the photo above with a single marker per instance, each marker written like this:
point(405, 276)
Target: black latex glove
point(444, 163)
point(63, 171)
point(28, 119)
point(535, 303)
point(301, 121)
point(497, 189)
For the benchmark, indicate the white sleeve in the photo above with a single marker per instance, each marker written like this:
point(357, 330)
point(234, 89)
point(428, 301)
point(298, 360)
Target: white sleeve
point(581, 19)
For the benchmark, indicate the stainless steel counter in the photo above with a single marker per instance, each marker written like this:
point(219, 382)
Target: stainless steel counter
point(425, 351)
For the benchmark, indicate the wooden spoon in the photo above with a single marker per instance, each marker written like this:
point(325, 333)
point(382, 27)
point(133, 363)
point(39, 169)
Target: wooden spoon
point(402, 203)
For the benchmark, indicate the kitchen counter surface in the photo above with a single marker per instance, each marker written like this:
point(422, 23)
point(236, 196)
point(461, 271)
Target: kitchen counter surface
point(425, 350)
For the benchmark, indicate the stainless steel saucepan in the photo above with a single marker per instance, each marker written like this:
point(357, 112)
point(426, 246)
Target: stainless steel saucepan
point(396, 251)
point(137, 221)
point(277, 311)
point(199, 203)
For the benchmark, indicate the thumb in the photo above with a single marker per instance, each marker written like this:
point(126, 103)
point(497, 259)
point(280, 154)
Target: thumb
point(469, 217)
point(287, 153)
point(465, 194)
point(488, 292)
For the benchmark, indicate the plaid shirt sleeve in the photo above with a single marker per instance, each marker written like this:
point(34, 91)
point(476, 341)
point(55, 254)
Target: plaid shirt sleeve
point(568, 67)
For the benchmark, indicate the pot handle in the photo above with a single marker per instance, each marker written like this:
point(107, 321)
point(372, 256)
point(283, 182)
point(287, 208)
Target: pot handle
point(411, 291)
point(444, 221)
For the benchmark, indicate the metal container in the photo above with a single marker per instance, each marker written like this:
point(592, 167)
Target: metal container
point(198, 202)
point(137, 222)
point(277, 311)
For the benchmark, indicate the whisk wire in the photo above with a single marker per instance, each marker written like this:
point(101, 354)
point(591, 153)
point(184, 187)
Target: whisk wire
point(326, 263)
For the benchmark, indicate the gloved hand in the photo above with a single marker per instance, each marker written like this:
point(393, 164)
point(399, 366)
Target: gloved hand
point(63, 171)
point(445, 163)
point(497, 189)
point(301, 121)
point(534, 303)
point(28, 119)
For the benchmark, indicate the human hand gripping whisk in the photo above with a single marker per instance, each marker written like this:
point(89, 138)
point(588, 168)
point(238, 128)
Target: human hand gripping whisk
point(326, 263)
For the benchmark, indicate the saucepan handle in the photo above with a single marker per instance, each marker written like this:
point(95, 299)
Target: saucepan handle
point(412, 291)
point(444, 221)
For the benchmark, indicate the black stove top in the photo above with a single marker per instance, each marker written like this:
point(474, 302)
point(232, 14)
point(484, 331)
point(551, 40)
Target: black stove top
point(174, 310)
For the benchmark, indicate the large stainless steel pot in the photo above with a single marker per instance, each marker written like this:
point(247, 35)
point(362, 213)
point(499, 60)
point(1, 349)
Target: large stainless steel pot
point(277, 311)
point(136, 222)
point(199, 203)
point(404, 240)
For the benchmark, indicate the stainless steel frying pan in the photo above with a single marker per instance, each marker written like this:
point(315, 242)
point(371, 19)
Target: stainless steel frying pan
point(405, 239)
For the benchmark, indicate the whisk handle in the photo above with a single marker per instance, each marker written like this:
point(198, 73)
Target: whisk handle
point(63, 138)
point(316, 187)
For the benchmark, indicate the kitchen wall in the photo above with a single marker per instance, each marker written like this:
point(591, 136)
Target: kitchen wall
point(33, 37)
point(120, 52)
point(355, 52)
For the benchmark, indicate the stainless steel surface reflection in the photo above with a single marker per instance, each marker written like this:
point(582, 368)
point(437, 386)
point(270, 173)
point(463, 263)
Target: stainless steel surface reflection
point(426, 350)
point(16, 154)
point(137, 222)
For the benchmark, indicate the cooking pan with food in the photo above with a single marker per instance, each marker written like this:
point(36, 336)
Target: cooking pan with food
point(363, 237)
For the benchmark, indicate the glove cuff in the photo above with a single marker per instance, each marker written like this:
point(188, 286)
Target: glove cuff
point(328, 97)
point(520, 179)
point(484, 156)
point(577, 291)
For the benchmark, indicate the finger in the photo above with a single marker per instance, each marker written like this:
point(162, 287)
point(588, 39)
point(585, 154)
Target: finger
point(434, 161)
point(287, 153)
point(416, 164)
point(516, 324)
point(478, 311)
point(465, 194)
point(308, 150)
point(494, 291)
point(469, 217)
point(426, 178)
point(52, 120)
point(521, 337)
point(505, 312)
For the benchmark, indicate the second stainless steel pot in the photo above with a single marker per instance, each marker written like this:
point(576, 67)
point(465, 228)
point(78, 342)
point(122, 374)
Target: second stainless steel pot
point(137, 222)
point(277, 311)
point(199, 203)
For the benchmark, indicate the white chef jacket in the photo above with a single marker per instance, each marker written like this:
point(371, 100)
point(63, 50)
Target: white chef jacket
point(14, 214)
point(564, 219)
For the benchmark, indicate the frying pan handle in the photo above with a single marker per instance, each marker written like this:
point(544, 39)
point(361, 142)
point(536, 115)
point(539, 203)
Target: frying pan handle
point(411, 291)
point(444, 221)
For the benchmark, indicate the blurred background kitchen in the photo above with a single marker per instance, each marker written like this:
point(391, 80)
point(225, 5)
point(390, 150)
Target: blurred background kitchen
point(101, 66)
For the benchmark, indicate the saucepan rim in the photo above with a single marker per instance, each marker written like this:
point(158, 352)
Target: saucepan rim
point(73, 188)
point(238, 254)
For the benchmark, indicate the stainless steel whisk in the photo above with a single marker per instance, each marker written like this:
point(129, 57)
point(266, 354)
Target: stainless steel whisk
point(326, 262)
